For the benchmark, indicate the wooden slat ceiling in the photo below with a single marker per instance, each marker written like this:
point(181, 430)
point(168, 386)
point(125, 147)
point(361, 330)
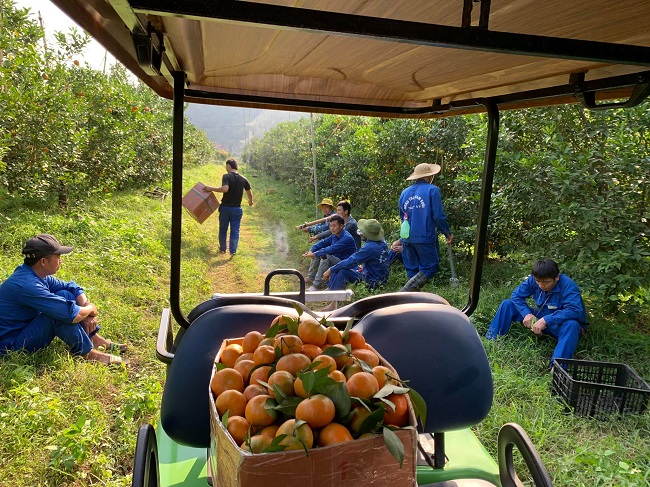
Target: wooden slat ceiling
point(271, 66)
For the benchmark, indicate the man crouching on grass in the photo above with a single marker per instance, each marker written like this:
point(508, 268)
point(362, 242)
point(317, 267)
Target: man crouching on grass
point(559, 310)
point(35, 307)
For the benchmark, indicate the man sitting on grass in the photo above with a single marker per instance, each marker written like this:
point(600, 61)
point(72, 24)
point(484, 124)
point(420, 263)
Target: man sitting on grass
point(35, 307)
point(369, 264)
point(338, 246)
point(559, 310)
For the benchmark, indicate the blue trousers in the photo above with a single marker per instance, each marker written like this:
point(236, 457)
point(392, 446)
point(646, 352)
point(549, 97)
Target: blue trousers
point(420, 257)
point(229, 216)
point(339, 279)
point(567, 333)
point(40, 332)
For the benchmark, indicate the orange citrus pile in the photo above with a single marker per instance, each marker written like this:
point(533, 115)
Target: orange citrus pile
point(305, 384)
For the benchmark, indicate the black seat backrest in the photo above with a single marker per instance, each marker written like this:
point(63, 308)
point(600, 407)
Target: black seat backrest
point(185, 413)
point(226, 300)
point(371, 303)
point(438, 350)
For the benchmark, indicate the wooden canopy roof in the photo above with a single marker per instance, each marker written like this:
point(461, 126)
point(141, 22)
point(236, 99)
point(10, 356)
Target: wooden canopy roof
point(397, 58)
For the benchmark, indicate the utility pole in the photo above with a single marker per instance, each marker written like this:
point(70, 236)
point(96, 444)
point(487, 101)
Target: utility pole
point(313, 154)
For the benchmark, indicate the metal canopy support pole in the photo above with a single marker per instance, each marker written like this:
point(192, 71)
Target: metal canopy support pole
point(484, 206)
point(177, 196)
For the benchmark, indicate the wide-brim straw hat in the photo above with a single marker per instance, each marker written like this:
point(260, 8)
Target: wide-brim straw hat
point(371, 229)
point(326, 201)
point(423, 170)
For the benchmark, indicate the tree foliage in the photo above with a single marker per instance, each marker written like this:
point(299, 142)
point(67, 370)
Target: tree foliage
point(69, 131)
point(569, 184)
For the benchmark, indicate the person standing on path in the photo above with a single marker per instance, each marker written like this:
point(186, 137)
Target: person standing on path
point(422, 216)
point(232, 186)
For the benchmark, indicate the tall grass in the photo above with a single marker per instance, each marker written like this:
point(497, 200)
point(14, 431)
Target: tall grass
point(67, 422)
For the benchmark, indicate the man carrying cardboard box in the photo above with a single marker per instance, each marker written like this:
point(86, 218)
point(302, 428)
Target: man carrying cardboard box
point(232, 186)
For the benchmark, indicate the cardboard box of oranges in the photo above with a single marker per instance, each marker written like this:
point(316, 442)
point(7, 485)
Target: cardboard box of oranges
point(273, 422)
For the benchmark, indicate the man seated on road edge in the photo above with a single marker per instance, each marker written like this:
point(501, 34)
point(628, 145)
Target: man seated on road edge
point(35, 307)
point(343, 209)
point(369, 264)
point(559, 313)
point(338, 246)
point(327, 208)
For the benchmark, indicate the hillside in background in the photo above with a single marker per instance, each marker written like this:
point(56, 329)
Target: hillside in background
point(230, 127)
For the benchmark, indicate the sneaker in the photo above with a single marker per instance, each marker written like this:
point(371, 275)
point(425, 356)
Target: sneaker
point(312, 288)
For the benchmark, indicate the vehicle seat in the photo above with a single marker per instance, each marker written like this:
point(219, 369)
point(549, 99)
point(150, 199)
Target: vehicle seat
point(379, 301)
point(437, 349)
point(185, 413)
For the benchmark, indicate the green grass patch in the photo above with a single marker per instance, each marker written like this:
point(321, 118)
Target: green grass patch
point(67, 422)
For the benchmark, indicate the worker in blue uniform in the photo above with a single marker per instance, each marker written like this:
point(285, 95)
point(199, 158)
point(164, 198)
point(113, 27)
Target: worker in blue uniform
point(422, 216)
point(559, 311)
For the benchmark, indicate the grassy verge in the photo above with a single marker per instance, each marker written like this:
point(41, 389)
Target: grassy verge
point(67, 422)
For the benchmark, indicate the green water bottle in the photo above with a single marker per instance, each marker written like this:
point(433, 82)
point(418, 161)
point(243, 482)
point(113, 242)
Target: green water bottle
point(405, 229)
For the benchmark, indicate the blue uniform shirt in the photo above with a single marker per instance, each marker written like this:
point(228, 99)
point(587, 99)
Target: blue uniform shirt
point(341, 247)
point(560, 304)
point(24, 295)
point(374, 256)
point(422, 205)
point(321, 227)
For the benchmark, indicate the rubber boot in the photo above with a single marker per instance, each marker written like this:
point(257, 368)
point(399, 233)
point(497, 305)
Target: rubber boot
point(415, 283)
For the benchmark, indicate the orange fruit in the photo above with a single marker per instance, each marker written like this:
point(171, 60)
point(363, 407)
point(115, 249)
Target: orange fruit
point(294, 363)
point(338, 376)
point(233, 401)
point(325, 362)
point(269, 430)
point(359, 414)
point(267, 341)
point(254, 390)
point(334, 335)
point(299, 389)
point(296, 437)
point(244, 367)
point(257, 444)
point(383, 374)
point(368, 356)
point(238, 428)
point(311, 331)
point(251, 340)
point(312, 351)
point(332, 434)
point(342, 359)
point(288, 344)
point(257, 415)
point(283, 380)
point(264, 354)
point(244, 356)
point(230, 354)
point(398, 417)
point(261, 373)
point(282, 320)
point(356, 339)
point(226, 379)
point(317, 410)
point(351, 369)
point(362, 385)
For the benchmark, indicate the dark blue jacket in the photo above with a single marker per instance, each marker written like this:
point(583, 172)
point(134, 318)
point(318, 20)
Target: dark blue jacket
point(422, 205)
point(374, 257)
point(341, 247)
point(560, 304)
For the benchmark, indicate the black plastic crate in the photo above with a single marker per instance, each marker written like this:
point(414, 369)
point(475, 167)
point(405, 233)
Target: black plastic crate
point(599, 389)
